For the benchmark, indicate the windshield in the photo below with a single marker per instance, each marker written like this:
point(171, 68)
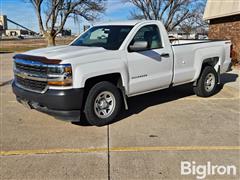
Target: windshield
point(108, 37)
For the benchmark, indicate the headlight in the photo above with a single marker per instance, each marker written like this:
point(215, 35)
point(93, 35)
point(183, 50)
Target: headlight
point(60, 75)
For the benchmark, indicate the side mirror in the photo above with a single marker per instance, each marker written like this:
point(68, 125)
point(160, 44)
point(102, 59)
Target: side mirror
point(138, 46)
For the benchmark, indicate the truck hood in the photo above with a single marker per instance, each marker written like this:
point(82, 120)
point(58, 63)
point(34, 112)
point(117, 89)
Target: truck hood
point(69, 53)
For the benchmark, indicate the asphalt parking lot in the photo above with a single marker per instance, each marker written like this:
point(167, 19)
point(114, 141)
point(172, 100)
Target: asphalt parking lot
point(149, 141)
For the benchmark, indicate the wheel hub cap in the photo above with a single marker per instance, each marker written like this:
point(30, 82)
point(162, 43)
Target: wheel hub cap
point(104, 104)
point(210, 82)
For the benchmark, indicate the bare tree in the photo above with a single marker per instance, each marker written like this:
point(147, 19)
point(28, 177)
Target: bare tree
point(171, 12)
point(196, 22)
point(58, 11)
point(188, 26)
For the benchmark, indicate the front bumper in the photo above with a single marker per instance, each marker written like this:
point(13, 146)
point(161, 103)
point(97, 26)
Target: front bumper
point(62, 104)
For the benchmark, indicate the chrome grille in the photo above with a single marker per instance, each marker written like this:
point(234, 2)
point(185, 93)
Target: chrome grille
point(31, 75)
point(30, 68)
point(31, 84)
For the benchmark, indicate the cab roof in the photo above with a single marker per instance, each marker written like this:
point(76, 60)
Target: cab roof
point(123, 23)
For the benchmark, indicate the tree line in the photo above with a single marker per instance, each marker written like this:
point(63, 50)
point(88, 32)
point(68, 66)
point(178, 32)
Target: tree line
point(186, 14)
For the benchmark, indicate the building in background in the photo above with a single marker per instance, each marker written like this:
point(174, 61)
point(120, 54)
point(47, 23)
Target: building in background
point(66, 32)
point(86, 27)
point(224, 22)
point(199, 33)
point(3, 22)
point(1, 31)
point(19, 31)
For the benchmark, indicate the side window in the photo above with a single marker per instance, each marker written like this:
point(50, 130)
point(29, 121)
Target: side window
point(151, 34)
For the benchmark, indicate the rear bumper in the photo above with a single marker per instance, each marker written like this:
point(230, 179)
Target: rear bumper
point(62, 104)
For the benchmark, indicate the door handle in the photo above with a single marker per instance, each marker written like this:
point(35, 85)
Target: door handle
point(165, 55)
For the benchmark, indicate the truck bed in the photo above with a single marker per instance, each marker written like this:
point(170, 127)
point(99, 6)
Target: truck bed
point(189, 54)
point(179, 42)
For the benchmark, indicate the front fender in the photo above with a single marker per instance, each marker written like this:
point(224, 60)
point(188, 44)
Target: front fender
point(82, 72)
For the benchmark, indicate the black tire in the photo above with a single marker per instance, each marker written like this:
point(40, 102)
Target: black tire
point(91, 106)
point(201, 89)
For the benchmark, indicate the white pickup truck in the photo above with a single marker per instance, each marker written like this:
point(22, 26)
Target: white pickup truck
point(96, 73)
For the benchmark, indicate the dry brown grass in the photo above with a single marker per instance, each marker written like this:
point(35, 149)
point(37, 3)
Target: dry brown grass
point(21, 45)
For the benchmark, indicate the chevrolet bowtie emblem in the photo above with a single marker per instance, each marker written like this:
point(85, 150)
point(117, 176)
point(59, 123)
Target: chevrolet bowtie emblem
point(23, 75)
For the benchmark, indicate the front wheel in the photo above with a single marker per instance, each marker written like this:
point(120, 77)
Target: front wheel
point(207, 83)
point(103, 104)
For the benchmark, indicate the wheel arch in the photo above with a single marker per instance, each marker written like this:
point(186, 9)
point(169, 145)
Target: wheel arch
point(213, 62)
point(114, 78)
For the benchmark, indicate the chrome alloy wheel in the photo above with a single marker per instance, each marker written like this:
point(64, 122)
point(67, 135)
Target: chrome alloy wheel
point(209, 82)
point(104, 104)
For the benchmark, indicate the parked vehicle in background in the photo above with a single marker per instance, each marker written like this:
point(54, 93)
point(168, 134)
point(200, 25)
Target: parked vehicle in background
point(110, 62)
point(20, 37)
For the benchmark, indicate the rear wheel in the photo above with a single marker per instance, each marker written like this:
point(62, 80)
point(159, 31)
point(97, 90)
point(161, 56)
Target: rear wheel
point(103, 104)
point(207, 83)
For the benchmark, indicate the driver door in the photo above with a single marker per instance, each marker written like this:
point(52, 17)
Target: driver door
point(150, 69)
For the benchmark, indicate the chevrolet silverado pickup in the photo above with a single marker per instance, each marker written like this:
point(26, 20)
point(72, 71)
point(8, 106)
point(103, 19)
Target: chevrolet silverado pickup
point(96, 73)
